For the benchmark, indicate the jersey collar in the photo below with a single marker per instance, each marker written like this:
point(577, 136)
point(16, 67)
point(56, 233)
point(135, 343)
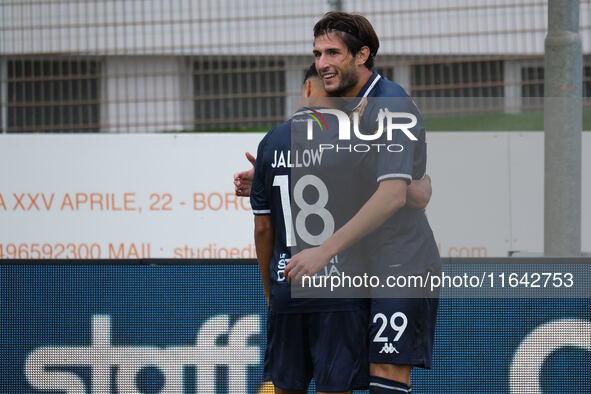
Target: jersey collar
point(369, 85)
point(368, 88)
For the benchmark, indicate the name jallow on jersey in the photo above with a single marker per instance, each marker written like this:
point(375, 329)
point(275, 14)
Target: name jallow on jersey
point(304, 158)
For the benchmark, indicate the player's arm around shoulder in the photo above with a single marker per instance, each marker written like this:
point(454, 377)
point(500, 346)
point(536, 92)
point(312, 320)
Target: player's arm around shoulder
point(419, 193)
point(386, 201)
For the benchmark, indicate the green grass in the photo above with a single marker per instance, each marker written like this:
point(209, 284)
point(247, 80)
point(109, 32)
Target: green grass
point(530, 121)
point(226, 130)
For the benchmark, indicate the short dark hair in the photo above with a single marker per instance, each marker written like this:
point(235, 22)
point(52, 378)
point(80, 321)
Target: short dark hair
point(311, 72)
point(355, 31)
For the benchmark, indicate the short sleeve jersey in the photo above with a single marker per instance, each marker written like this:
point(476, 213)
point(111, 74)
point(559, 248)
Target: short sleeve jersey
point(405, 241)
point(289, 164)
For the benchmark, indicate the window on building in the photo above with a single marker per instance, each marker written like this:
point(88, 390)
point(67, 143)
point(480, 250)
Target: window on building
point(532, 88)
point(52, 95)
point(238, 93)
point(457, 86)
point(386, 71)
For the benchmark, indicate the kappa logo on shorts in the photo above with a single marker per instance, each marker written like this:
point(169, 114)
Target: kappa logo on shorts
point(389, 349)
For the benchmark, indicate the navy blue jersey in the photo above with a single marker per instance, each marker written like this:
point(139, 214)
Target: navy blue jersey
point(308, 192)
point(405, 242)
point(380, 99)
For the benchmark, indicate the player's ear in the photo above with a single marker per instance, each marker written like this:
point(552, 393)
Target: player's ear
point(362, 55)
point(307, 89)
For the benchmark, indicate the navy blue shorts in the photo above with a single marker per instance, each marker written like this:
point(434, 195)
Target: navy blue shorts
point(402, 330)
point(330, 347)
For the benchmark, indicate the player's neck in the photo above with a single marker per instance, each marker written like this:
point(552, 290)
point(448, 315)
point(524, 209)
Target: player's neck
point(364, 76)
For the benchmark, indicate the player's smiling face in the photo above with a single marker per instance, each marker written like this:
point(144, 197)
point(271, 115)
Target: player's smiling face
point(335, 65)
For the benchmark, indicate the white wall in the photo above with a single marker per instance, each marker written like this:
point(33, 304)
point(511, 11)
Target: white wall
point(273, 27)
point(487, 192)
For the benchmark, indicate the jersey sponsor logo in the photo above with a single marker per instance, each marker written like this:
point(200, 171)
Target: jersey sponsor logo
point(331, 269)
point(46, 368)
point(281, 267)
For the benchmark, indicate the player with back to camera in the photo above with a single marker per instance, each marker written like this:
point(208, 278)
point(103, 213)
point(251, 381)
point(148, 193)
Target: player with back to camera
point(401, 330)
point(306, 338)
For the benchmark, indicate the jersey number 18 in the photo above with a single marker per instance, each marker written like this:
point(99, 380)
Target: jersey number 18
point(318, 208)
